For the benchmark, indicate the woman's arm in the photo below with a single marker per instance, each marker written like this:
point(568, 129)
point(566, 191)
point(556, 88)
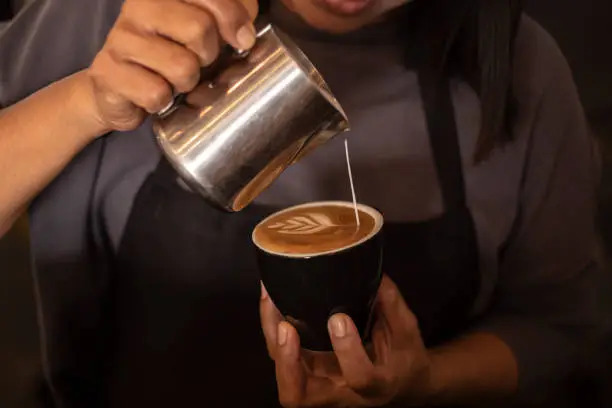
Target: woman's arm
point(40, 124)
point(151, 51)
point(38, 138)
point(473, 369)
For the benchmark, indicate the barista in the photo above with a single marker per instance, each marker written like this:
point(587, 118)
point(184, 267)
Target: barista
point(468, 135)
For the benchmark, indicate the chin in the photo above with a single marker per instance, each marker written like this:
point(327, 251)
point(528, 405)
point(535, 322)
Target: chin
point(342, 16)
point(334, 18)
point(347, 8)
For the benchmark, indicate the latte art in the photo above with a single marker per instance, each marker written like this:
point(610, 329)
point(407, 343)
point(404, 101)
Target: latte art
point(310, 223)
point(316, 228)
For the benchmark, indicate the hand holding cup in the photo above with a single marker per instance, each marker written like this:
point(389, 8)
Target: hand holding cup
point(395, 367)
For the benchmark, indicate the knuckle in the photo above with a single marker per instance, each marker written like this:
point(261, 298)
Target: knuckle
point(136, 7)
point(209, 53)
point(156, 96)
point(117, 41)
point(201, 37)
point(186, 64)
point(140, 14)
point(231, 15)
point(237, 12)
point(199, 27)
point(111, 40)
point(127, 9)
point(131, 9)
point(362, 384)
point(251, 7)
point(186, 70)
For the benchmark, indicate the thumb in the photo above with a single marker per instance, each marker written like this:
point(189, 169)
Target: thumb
point(252, 7)
point(393, 310)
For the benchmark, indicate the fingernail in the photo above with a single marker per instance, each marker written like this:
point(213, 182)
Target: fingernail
point(282, 335)
point(246, 36)
point(264, 292)
point(337, 326)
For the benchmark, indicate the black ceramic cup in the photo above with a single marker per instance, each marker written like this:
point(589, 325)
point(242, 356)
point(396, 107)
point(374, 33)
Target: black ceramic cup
point(308, 288)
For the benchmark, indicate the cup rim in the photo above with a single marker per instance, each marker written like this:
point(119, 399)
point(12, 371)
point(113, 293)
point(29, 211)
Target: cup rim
point(378, 224)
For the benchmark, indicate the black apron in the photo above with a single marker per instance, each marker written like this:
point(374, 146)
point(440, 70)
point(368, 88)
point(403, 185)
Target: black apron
point(187, 331)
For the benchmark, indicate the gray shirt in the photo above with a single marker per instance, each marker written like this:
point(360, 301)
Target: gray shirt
point(533, 201)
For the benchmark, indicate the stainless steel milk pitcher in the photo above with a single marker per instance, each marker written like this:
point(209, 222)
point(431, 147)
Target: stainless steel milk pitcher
point(236, 133)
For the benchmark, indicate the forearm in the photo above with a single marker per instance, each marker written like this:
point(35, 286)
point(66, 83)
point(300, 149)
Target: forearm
point(39, 136)
point(472, 370)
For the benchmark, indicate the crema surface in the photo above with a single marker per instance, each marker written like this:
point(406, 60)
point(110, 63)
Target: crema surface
point(315, 229)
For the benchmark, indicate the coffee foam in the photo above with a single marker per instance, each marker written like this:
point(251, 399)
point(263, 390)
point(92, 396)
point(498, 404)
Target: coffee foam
point(316, 229)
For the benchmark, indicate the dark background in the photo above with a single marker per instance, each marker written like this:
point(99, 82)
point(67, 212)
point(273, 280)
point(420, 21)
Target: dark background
point(5, 11)
point(584, 31)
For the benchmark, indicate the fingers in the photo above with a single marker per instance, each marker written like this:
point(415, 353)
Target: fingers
point(295, 387)
point(379, 348)
point(252, 7)
point(270, 320)
point(133, 83)
point(176, 64)
point(190, 26)
point(357, 368)
point(290, 373)
point(399, 320)
point(232, 19)
point(157, 48)
point(174, 39)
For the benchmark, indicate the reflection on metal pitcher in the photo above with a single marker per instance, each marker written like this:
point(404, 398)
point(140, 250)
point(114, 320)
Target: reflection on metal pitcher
point(237, 132)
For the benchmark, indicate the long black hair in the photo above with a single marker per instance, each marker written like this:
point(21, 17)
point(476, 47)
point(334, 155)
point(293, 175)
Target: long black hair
point(473, 39)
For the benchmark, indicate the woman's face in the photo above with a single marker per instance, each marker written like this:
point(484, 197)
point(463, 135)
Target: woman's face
point(341, 15)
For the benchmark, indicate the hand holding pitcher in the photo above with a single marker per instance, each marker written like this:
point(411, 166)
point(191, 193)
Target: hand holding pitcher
point(157, 48)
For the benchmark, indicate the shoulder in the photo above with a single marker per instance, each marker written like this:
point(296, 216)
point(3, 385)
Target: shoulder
point(50, 39)
point(550, 112)
point(539, 63)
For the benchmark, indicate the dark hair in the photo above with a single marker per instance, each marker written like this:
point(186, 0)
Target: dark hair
point(473, 39)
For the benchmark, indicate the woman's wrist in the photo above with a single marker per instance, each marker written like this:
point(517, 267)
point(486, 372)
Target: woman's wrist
point(81, 108)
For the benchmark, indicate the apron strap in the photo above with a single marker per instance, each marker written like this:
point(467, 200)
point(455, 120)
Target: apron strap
point(444, 138)
point(165, 174)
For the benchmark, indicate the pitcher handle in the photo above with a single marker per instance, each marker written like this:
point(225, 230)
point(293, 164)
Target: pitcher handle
point(233, 53)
